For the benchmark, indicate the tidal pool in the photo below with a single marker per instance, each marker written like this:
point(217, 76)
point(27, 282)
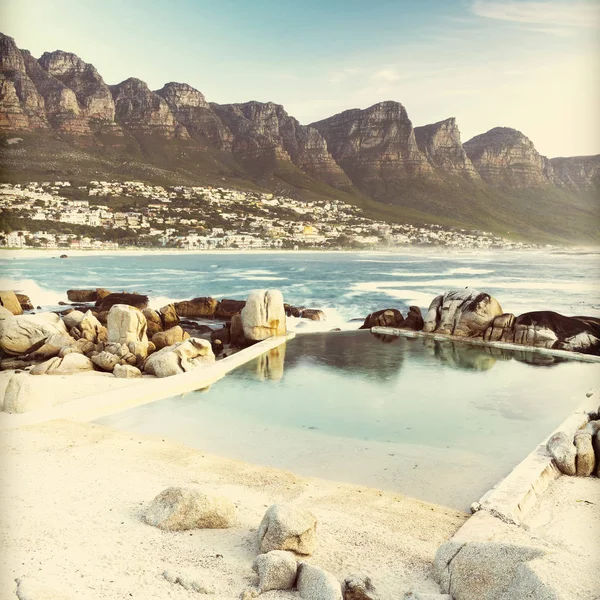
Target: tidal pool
point(440, 421)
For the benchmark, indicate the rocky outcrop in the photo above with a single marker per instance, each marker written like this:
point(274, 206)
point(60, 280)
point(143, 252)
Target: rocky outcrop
point(440, 143)
point(93, 95)
point(465, 313)
point(197, 307)
point(142, 111)
point(9, 300)
point(547, 329)
point(60, 102)
point(505, 157)
point(21, 105)
point(263, 134)
point(192, 111)
point(375, 147)
point(26, 333)
point(577, 172)
point(105, 303)
point(180, 358)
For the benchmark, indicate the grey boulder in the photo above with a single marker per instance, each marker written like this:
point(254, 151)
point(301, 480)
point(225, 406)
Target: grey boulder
point(286, 527)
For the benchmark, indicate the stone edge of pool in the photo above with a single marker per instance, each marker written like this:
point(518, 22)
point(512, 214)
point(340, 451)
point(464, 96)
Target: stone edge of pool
point(479, 342)
point(514, 495)
point(89, 408)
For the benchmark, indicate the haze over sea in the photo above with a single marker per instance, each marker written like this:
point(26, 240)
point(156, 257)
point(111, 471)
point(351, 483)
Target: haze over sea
point(346, 285)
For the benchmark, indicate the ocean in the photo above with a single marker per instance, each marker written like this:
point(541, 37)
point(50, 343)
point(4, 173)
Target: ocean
point(346, 285)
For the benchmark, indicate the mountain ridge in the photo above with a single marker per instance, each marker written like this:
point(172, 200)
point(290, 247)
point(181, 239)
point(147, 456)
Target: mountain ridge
point(73, 125)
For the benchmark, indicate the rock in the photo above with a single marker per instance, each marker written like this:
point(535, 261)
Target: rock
point(390, 317)
point(263, 316)
point(138, 301)
point(126, 372)
point(359, 587)
point(81, 346)
point(593, 427)
point(171, 336)
point(313, 314)
point(23, 334)
point(237, 337)
point(276, 570)
point(10, 301)
point(500, 329)
point(293, 311)
point(82, 295)
point(180, 509)
point(5, 313)
point(73, 319)
point(316, 584)
point(585, 460)
point(596, 445)
point(153, 322)
point(180, 358)
point(286, 527)
point(22, 395)
point(169, 316)
point(53, 345)
point(217, 347)
point(223, 335)
point(70, 364)
point(465, 313)
point(90, 329)
point(564, 453)
point(227, 308)
point(106, 361)
point(414, 319)
point(127, 324)
point(197, 308)
point(24, 301)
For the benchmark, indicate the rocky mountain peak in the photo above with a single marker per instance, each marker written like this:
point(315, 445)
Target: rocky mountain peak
point(440, 142)
point(93, 95)
point(182, 95)
point(505, 156)
point(11, 59)
point(141, 110)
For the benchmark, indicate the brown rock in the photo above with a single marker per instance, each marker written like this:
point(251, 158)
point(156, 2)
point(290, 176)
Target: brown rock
point(139, 301)
point(227, 308)
point(24, 301)
point(10, 301)
point(203, 307)
point(389, 317)
point(82, 295)
point(169, 337)
point(223, 334)
point(169, 317)
point(153, 321)
point(313, 314)
point(414, 319)
point(237, 337)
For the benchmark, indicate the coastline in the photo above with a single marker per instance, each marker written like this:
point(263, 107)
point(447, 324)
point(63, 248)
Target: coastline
point(12, 253)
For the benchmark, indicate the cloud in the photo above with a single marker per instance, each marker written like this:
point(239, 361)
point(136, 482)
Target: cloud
point(386, 75)
point(342, 74)
point(553, 17)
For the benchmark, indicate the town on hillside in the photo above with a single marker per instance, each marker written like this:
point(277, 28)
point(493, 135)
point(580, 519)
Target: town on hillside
point(110, 215)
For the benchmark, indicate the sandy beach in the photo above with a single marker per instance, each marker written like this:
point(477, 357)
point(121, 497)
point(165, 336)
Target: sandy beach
point(73, 522)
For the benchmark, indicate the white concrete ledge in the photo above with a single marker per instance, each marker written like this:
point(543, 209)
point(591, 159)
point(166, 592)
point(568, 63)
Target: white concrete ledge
point(479, 342)
point(511, 498)
point(148, 390)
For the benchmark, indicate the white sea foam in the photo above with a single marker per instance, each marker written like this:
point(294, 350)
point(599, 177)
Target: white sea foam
point(467, 271)
point(38, 295)
point(334, 319)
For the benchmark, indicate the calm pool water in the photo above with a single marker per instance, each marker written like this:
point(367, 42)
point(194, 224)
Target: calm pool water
point(436, 420)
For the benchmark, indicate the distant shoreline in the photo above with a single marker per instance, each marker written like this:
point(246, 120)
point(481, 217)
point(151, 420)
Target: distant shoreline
point(11, 253)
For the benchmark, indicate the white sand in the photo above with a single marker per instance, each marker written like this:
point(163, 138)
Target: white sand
point(73, 494)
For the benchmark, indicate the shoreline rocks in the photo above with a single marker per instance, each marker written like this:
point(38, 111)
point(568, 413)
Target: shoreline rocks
point(263, 315)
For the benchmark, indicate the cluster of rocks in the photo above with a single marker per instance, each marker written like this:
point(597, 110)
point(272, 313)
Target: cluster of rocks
point(286, 536)
point(579, 454)
point(474, 314)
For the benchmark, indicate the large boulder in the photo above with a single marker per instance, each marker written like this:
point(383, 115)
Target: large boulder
point(180, 358)
point(389, 317)
point(585, 460)
point(237, 338)
point(227, 308)
point(87, 295)
point(563, 451)
point(171, 336)
point(276, 570)
point(414, 319)
point(73, 318)
point(465, 313)
point(312, 314)
point(286, 527)
point(317, 584)
point(53, 346)
point(169, 316)
point(70, 364)
point(127, 325)
point(126, 372)
point(139, 301)
point(203, 307)
point(5, 313)
point(24, 301)
point(153, 322)
point(180, 509)
point(9, 300)
point(263, 316)
point(24, 334)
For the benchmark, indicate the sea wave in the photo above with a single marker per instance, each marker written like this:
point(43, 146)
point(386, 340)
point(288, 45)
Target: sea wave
point(40, 296)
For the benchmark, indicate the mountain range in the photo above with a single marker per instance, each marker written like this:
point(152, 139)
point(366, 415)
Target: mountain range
point(60, 120)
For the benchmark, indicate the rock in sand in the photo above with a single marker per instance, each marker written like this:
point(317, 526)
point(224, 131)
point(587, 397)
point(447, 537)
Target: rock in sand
point(286, 527)
point(276, 570)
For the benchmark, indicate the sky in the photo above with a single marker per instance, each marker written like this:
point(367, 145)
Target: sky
point(530, 65)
